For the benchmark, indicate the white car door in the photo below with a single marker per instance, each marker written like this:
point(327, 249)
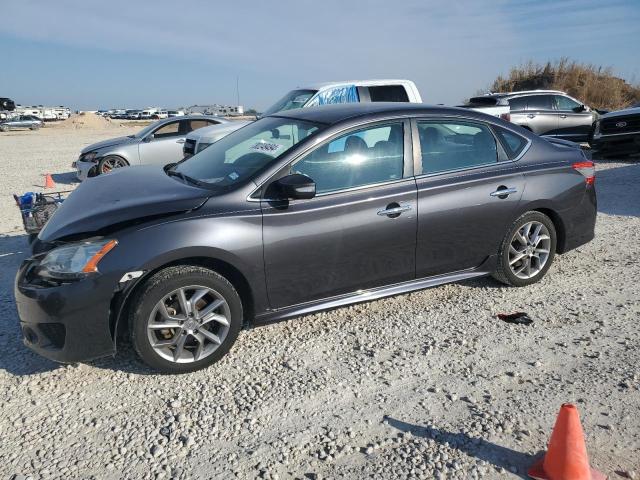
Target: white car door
point(163, 145)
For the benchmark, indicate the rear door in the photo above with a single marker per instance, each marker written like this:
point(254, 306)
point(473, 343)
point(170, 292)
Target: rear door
point(542, 118)
point(468, 191)
point(574, 122)
point(358, 232)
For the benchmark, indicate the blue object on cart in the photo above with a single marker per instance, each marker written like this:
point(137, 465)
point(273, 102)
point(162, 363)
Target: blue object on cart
point(26, 200)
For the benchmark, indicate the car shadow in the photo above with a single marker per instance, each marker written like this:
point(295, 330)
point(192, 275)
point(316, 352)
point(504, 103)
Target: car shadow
point(67, 178)
point(617, 188)
point(15, 358)
point(497, 455)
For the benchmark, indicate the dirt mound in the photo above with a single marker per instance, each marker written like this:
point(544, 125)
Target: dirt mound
point(87, 120)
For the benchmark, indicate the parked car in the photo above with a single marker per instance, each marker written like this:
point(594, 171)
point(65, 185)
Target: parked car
point(200, 139)
point(354, 91)
point(158, 143)
point(21, 121)
point(617, 133)
point(294, 213)
point(134, 114)
point(175, 113)
point(545, 112)
point(160, 114)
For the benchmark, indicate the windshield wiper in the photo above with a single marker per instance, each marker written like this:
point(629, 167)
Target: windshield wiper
point(186, 178)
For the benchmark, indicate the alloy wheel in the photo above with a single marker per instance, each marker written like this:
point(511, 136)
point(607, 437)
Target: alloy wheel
point(529, 250)
point(111, 163)
point(188, 324)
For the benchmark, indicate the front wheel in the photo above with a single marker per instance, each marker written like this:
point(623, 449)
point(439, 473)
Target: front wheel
point(111, 162)
point(185, 318)
point(527, 250)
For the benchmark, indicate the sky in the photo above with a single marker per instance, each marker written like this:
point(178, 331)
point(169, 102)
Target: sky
point(134, 54)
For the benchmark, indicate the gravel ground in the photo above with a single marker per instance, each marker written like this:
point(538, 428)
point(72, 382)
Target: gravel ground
point(426, 385)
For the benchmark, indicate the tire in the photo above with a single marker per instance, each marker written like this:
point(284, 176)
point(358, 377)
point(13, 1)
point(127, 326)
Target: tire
point(4, 128)
point(164, 287)
point(513, 271)
point(111, 162)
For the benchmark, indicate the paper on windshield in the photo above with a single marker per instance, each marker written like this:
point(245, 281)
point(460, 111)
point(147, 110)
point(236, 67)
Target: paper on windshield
point(266, 147)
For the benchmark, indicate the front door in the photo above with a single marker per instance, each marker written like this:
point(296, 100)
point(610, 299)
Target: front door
point(574, 121)
point(462, 215)
point(164, 145)
point(359, 231)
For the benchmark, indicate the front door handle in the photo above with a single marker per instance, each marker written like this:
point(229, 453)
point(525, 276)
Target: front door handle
point(503, 192)
point(180, 140)
point(394, 210)
point(563, 116)
point(531, 115)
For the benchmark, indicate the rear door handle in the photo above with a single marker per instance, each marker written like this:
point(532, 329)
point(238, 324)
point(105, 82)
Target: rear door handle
point(394, 211)
point(531, 115)
point(180, 140)
point(563, 116)
point(503, 192)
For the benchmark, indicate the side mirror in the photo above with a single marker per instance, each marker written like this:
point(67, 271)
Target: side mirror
point(580, 108)
point(149, 137)
point(296, 186)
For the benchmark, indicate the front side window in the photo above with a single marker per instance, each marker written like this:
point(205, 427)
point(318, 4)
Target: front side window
point(332, 96)
point(452, 145)
point(168, 130)
point(565, 103)
point(363, 157)
point(243, 153)
point(293, 99)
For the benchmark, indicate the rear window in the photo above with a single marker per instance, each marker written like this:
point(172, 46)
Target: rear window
point(388, 93)
point(513, 143)
point(482, 102)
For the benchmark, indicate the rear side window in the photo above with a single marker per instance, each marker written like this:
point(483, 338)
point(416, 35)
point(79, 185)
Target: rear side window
point(540, 102)
point(196, 124)
point(453, 145)
point(518, 103)
point(513, 143)
point(388, 93)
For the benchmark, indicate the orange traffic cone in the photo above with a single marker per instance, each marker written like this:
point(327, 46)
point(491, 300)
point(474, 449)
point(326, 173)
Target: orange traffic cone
point(48, 181)
point(566, 457)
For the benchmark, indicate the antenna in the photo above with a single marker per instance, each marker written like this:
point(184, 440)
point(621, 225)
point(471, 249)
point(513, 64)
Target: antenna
point(237, 90)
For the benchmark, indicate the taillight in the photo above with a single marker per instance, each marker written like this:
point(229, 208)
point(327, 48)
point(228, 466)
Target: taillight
point(505, 116)
point(587, 169)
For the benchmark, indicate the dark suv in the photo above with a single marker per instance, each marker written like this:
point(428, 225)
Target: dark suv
point(301, 211)
point(545, 112)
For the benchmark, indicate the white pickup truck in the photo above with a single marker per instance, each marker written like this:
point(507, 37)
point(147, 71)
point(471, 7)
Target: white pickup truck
point(353, 91)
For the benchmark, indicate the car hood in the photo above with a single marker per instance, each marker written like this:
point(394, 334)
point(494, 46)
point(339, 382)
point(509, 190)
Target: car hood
point(216, 132)
point(621, 113)
point(124, 195)
point(109, 143)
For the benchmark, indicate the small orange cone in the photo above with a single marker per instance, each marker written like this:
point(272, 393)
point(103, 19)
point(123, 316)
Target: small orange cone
point(566, 457)
point(48, 182)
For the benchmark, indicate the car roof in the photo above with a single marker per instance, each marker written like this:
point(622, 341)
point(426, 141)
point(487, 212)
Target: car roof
point(522, 92)
point(194, 117)
point(371, 82)
point(332, 114)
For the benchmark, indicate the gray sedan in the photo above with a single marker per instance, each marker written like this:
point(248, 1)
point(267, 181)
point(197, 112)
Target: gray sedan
point(159, 143)
point(22, 121)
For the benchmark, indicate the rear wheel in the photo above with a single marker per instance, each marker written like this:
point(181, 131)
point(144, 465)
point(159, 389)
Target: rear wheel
point(4, 128)
point(185, 318)
point(111, 162)
point(527, 250)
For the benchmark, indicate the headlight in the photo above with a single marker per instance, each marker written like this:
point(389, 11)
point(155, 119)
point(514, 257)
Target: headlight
point(89, 157)
point(75, 260)
point(202, 146)
point(596, 130)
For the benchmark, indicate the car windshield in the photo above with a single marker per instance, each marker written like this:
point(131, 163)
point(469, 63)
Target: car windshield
point(244, 152)
point(293, 99)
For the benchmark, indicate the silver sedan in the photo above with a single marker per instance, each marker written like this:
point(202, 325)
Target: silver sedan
point(22, 121)
point(159, 143)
